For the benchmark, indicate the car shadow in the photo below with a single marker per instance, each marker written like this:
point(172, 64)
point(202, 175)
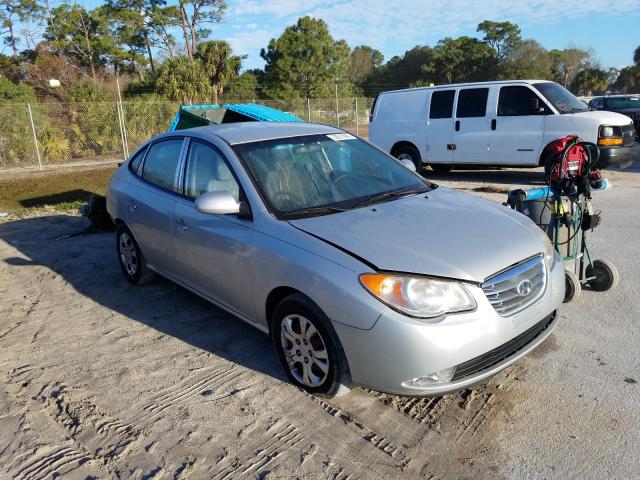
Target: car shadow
point(87, 261)
point(531, 177)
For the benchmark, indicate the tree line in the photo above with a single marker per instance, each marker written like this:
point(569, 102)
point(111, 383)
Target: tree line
point(162, 48)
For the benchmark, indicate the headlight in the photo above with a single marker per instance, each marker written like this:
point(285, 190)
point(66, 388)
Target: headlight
point(609, 135)
point(549, 253)
point(418, 297)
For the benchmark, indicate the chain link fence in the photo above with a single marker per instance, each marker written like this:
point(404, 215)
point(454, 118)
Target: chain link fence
point(41, 135)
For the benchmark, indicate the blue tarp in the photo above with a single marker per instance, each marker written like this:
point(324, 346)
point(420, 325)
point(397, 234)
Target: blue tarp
point(199, 115)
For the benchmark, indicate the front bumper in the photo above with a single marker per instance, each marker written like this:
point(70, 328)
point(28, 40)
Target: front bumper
point(398, 349)
point(618, 157)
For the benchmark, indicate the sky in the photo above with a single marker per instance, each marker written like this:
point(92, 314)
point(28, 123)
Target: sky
point(610, 28)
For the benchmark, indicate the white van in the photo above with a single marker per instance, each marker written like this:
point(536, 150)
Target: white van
point(506, 123)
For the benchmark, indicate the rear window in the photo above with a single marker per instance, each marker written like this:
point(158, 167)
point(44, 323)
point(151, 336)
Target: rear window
point(442, 104)
point(161, 163)
point(472, 102)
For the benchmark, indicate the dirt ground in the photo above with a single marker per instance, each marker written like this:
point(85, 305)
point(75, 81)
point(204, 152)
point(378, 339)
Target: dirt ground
point(104, 380)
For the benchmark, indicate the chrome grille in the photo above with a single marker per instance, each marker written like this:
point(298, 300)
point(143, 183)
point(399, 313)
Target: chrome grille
point(514, 289)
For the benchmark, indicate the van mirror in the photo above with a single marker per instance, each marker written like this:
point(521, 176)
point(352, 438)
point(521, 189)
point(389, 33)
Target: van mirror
point(534, 107)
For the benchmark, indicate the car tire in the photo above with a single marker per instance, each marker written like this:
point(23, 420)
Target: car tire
point(572, 286)
point(605, 273)
point(440, 168)
point(308, 347)
point(130, 257)
point(408, 152)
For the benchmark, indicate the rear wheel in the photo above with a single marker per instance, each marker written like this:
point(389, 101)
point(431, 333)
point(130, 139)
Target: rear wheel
point(307, 346)
point(130, 257)
point(572, 287)
point(408, 152)
point(605, 275)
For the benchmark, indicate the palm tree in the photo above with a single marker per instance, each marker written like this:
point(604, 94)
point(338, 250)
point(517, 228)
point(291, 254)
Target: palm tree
point(218, 64)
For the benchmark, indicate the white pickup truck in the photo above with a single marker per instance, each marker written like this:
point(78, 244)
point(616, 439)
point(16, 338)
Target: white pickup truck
point(506, 123)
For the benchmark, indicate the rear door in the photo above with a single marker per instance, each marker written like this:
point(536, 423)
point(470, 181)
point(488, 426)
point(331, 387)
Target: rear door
point(518, 126)
point(471, 135)
point(440, 127)
point(151, 198)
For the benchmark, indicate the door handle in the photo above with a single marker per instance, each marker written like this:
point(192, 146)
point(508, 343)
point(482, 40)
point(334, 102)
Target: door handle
point(451, 146)
point(457, 125)
point(182, 226)
point(132, 207)
point(493, 124)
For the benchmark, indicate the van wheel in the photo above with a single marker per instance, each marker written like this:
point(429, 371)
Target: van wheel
point(408, 152)
point(441, 168)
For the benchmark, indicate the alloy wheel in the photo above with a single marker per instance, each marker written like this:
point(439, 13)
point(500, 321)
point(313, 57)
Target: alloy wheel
point(128, 254)
point(304, 350)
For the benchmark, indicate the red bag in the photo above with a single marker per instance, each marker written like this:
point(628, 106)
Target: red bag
point(563, 167)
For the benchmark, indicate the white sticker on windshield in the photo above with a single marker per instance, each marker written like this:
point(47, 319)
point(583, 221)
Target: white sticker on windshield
point(338, 137)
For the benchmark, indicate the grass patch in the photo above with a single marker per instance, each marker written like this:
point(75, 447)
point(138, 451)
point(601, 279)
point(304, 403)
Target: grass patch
point(63, 190)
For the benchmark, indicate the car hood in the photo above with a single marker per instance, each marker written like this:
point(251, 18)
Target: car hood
point(605, 117)
point(442, 233)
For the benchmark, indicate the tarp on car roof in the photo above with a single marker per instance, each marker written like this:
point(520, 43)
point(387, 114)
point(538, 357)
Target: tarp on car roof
point(190, 116)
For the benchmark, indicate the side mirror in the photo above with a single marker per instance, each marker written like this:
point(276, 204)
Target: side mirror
point(534, 107)
point(217, 203)
point(408, 163)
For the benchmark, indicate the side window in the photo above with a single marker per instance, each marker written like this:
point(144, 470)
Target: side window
point(161, 163)
point(442, 104)
point(208, 172)
point(516, 101)
point(134, 164)
point(472, 102)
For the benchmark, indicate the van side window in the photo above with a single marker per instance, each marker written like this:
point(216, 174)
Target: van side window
point(472, 102)
point(515, 101)
point(442, 104)
point(161, 163)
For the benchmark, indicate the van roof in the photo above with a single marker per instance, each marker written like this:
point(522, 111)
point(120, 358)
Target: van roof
point(448, 85)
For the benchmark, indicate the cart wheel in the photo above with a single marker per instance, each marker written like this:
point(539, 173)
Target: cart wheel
point(572, 287)
point(605, 273)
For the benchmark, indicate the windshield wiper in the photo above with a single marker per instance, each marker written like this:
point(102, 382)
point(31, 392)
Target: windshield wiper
point(314, 211)
point(392, 194)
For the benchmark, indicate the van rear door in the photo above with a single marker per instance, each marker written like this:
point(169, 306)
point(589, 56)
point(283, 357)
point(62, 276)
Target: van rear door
point(440, 127)
point(471, 136)
point(517, 126)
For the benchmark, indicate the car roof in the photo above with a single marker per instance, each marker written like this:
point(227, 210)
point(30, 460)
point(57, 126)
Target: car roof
point(245, 132)
point(456, 85)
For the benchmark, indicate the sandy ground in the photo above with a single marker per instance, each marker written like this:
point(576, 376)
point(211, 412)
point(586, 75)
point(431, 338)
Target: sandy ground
point(104, 380)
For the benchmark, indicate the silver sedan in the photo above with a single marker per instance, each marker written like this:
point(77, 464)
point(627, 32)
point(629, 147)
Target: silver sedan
point(363, 272)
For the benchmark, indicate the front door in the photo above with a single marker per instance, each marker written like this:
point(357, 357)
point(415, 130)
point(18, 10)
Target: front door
point(518, 126)
point(151, 197)
point(440, 127)
point(472, 129)
point(214, 251)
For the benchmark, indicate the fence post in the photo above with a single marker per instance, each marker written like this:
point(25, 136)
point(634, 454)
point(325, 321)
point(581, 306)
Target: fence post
point(357, 132)
point(35, 137)
point(123, 131)
point(337, 111)
point(308, 110)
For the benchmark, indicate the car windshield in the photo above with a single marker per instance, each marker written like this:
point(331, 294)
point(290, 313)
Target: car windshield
point(561, 98)
point(623, 102)
point(322, 174)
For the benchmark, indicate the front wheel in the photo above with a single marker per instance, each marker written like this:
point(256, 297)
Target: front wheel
point(605, 275)
point(572, 287)
point(307, 346)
